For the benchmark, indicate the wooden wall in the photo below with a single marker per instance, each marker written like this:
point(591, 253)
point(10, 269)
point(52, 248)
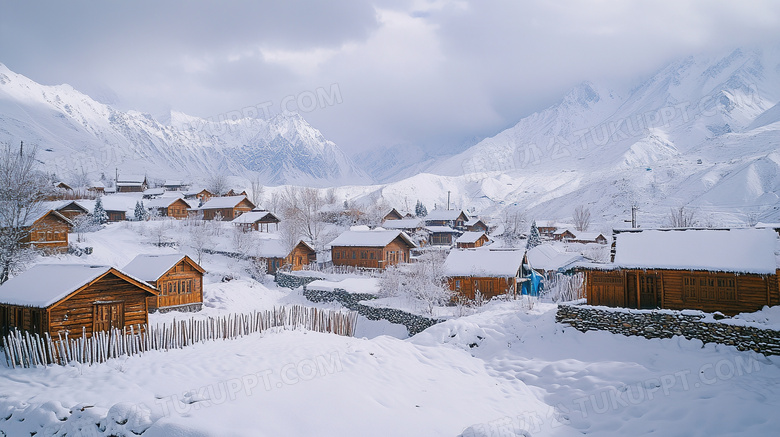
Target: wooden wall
point(467, 286)
point(49, 233)
point(182, 285)
point(729, 293)
point(397, 251)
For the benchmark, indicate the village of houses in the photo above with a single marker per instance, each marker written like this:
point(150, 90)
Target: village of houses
point(180, 252)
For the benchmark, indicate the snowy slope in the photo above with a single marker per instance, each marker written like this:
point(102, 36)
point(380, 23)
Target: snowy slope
point(701, 132)
point(75, 132)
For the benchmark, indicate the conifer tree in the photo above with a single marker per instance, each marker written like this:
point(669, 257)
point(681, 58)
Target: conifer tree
point(99, 215)
point(534, 238)
point(140, 212)
point(420, 210)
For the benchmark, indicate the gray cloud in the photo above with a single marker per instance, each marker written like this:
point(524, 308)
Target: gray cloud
point(433, 73)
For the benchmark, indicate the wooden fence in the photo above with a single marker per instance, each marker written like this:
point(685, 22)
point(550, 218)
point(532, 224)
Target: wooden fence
point(23, 349)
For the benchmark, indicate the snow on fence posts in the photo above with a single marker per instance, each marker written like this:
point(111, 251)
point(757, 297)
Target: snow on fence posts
point(29, 350)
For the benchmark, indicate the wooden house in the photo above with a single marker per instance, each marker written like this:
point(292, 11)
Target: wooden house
point(131, 184)
point(174, 207)
point(491, 272)
point(257, 221)
point(393, 215)
point(441, 235)
point(563, 235)
point(68, 208)
point(174, 185)
point(228, 208)
point(116, 215)
point(476, 225)
point(447, 217)
point(178, 279)
point(153, 193)
point(277, 256)
point(201, 194)
point(60, 298)
point(63, 186)
point(371, 249)
point(235, 192)
point(471, 240)
point(96, 187)
point(47, 231)
point(408, 225)
point(588, 237)
point(726, 270)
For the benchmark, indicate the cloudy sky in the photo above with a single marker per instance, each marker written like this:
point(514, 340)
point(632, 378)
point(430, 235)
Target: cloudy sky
point(437, 74)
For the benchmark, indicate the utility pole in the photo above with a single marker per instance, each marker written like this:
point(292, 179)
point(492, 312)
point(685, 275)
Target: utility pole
point(448, 200)
point(634, 209)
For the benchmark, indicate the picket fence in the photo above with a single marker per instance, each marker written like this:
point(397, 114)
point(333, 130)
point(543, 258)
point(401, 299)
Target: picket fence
point(23, 349)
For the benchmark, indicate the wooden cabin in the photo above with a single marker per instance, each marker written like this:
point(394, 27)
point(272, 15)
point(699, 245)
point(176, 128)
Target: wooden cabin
point(96, 188)
point(201, 194)
point(131, 184)
point(116, 215)
point(47, 231)
point(174, 185)
point(476, 225)
point(447, 217)
point(472, 240)
point(726, 270)
point(68, 208)
point(276, 256)
point(235, 192)
point(491, 272)
point(563, 235)
point(228, 208)
point(588, 237)
point(174, 207)
point(441, 235)
point(371, 249)
point(257, 221)
point(60, 298)
point(178, 279)
point(393, 215)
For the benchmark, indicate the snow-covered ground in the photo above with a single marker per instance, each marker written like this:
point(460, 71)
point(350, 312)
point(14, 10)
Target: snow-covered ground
point(506, 370)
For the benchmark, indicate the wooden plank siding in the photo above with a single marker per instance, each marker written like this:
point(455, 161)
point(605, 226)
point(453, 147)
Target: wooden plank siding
point(729, 293)
point(397, 251)
point(467, 286)
point(228, 213)
point(49, 233)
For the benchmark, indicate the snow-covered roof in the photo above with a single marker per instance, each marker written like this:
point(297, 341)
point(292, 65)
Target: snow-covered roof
point(154, 191)
point(172, 183)
point(762, 225)
point(469, 237)
point(161, 202)
point(45, 284)
point(473, 221)
point(193, 191)
point(562, 231)
point(406, 223)
point(272, 248)
point(587, 236)
point(547, 257)
point(441, 229)
point(369, 238)
point(131, 179)
point(483, 263)
point(223, 202)
point(151, 267)
point(728, 250)
point(445, 214)
point(253, 217)
point(59, 204)
point(39, 212)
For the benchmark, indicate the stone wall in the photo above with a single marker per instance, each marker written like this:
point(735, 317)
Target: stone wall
point(413, 322)
point(666, 324)
point(294, 281)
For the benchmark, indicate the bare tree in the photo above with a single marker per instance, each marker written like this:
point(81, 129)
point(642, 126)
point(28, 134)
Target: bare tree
point(199, 239)
point(217, 184)
point(82, 224)
point(257, 190)
point(681, 218)
point(242, 240)
point(22, 189)
point(581, 218)
point(300, 208)
point(422, 281)
point(751, 219)
point(330, 196)
point(514, 221)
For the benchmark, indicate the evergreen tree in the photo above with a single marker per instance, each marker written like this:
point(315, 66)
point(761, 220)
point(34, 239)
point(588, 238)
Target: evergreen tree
point(99, 215)
point(534, 239)
point(140, 212)
point(420, 209)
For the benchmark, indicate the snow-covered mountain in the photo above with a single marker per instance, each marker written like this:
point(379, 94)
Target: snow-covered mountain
point(703, 132)
point(75, 133)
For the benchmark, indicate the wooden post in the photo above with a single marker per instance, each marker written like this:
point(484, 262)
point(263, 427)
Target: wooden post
point(638, 292)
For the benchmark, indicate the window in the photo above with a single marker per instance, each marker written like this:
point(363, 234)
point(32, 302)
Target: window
point(457, 284)
point(709, 289)
point(338, 255)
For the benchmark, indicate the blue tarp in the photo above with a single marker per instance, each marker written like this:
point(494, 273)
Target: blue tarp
point(534, 285)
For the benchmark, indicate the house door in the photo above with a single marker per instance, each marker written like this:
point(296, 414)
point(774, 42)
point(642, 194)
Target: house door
point(644, 286)
point(108, 315)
